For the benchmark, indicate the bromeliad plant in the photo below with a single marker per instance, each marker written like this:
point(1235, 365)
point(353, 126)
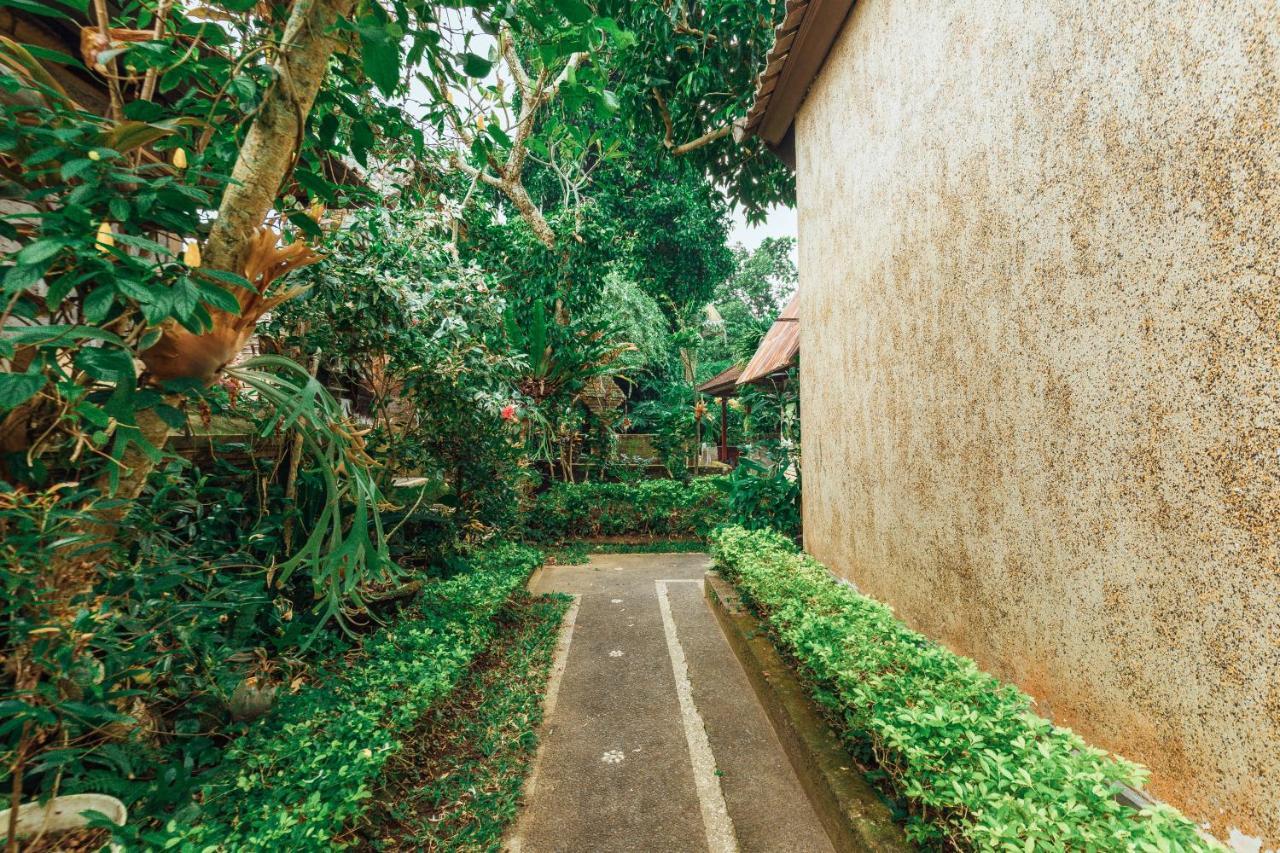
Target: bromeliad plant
point(563, 353)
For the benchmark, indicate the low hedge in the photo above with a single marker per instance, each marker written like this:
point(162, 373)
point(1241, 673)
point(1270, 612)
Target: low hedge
point(665, 508)
point(301, 775)
point(976, 767)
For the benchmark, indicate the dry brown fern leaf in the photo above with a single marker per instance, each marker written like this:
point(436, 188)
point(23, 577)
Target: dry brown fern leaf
point(180, 354)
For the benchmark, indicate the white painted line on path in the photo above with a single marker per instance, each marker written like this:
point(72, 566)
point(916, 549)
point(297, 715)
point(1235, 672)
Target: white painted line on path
point(715, 813)
point(515, 842)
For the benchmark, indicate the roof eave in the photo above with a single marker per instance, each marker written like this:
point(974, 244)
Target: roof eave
point(801, 44)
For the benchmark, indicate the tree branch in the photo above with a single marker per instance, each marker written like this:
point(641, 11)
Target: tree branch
point(513, 62)
point(569, 68)
point(685, 147)
point(534, 94)
point(157, 33)
point(473, 173)
point(270, 147)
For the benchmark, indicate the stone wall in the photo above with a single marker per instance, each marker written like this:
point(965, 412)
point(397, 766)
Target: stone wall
point(1040, 277)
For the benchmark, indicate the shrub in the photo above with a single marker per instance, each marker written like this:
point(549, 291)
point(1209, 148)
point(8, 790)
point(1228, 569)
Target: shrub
point(977, 768)
point(763, 498)
point(668, 508)
point(299, 777)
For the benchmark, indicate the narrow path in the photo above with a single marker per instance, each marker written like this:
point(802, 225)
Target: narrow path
point(654, 740)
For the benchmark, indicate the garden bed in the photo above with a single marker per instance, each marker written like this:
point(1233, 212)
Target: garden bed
point(299, 778)
point(975, 767)
point(456, 783)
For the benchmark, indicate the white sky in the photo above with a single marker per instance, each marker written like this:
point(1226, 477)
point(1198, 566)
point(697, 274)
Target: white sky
point(781, 222)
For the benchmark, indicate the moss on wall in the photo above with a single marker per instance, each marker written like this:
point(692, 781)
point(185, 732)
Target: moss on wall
point(1039, 249)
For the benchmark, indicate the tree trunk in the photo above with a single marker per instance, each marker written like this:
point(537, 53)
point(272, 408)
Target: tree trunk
point(135, 466)
point(529, 211)
point(265, 158)
point(271, 146)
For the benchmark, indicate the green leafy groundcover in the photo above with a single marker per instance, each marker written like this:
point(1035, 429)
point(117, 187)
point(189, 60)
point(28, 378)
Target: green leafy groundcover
point(302, 774)
point(457, 783)
point(666, 508)
point(978, 769)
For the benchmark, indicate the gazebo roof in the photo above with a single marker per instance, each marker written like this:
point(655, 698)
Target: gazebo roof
point(779, 349)
point(723, 384)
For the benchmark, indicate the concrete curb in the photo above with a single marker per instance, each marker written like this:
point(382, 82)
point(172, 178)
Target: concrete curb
point(535, 577)
point(851, 811)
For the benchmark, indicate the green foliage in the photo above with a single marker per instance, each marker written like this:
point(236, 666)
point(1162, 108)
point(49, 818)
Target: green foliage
point(762, 497)
point(977, 767)
point(458, 782)
point(339, 552)
point(90, 270)
point(660, 508)
point(562, 350)
point(295, 784)
point(669, 414)
point(749, 300)
point(128, 683)
point(694, 65)
point(636, 318)
point(763, 279)
point(419, 345)
point(670, 225)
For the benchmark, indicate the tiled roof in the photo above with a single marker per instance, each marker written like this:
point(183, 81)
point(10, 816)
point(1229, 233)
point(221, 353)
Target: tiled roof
point(784, 38)
point(800, 46)
point(723, 384)
point(778, 351)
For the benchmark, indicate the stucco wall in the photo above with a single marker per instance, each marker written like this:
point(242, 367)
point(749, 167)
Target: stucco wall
point(1040, 278)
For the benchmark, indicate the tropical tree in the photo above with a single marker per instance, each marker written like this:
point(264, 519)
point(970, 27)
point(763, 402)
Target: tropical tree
point(689, 76)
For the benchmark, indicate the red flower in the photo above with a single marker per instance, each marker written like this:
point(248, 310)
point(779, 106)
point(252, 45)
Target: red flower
point(509, 412)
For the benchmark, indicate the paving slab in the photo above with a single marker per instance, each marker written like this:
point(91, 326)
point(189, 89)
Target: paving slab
point(655, 739)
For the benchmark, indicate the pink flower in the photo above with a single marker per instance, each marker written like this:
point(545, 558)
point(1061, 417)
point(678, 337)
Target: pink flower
point(509, 413)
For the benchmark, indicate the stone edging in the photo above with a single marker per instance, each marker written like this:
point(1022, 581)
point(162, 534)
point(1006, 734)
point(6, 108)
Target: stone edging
point(851, 811)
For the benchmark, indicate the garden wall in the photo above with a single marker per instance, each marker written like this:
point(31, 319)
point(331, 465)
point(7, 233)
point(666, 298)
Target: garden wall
point(1039, 248)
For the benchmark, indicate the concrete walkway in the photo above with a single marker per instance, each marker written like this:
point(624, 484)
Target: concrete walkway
point(654, 740)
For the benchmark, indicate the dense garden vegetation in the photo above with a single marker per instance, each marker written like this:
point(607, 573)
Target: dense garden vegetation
point(646, 509)
point(974, 766)
point(307, 308)
point(311, 312)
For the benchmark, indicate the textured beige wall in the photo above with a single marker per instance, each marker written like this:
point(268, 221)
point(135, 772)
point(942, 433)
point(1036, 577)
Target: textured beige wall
point(1040, 249)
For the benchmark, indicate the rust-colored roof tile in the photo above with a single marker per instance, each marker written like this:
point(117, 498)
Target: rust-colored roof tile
point(780, 346)
point(724, 383)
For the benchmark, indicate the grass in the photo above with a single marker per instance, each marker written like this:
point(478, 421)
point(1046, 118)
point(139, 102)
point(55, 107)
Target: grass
point(456, 784)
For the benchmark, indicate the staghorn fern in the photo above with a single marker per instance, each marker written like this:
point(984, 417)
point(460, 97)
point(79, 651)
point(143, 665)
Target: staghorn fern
point(339, 554)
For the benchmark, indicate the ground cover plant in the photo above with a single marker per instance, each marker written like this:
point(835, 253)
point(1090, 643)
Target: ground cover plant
point(653, 508)
point(457, 783)
point(977, 767)
point(297, 783)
